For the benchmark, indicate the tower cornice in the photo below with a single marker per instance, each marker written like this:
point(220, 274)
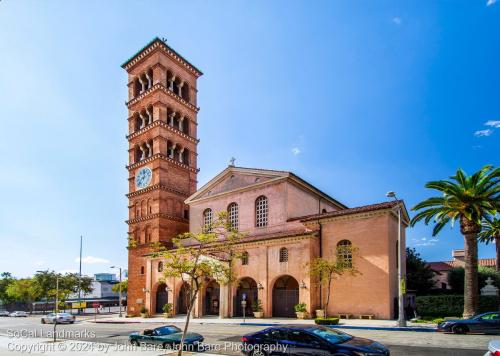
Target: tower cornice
point(162, 88)
point(164, 158)
point(155, 187)
point(164, 125)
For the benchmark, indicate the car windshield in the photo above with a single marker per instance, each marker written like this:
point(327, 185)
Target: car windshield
point(166, 330)
point(63, 314)
point(330, 335)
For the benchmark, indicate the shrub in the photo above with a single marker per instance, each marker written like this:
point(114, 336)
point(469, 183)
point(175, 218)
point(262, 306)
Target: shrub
point(167, 308)
point(143, 310)
point(257, 306)
point(326, 321)
point(300, 308)
point(452, 305)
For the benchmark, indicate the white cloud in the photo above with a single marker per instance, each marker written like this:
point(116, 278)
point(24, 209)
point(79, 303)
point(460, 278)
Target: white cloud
point(295, 151)
point(482, 133)
point(493, 123)
point(397, 20)
point(424, 241)
point(90, 260)
point(491, 2)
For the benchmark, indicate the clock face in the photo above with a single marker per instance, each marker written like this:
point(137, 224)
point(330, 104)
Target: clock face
point(143, 177)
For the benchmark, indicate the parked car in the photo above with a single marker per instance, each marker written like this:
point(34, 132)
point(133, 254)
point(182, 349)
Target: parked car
point(4, 313)
point(308, 340)
point(59, 318)
point(165, 336)
point(487, 323)
point(493, 348)
point(18, 313)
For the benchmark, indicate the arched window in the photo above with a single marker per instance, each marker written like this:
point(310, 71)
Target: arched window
point(344, 253)
point(244, 258)
point(160, 266)
point(283, 254)
point(142, 269)
point(232, 215)
point(207, 220)
point(261, 211)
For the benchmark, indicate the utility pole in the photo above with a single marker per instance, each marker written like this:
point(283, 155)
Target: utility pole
point(57, 305)
point(120, 291)
point(80, 279)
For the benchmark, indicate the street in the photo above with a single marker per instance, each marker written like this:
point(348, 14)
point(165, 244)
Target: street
point(399, 342)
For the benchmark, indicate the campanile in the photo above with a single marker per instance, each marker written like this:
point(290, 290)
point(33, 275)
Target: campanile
point(162, 163)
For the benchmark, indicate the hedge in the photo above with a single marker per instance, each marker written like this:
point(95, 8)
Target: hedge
point(326, 321)
point(452, 305)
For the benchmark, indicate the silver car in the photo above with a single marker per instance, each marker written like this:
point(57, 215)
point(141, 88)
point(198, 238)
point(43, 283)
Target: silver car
point(4, 313)
point(59, 318)
point(18, 313)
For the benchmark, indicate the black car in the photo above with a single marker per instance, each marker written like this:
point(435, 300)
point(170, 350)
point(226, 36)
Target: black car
point(487, 323)
point(308, 340)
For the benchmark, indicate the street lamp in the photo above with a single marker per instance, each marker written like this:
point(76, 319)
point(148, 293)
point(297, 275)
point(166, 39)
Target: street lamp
point(401, 281)
point(120, 292)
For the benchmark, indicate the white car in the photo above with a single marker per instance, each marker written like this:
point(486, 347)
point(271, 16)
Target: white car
point(18, 313)
point(4, 313)
point(493, 348)
point(58, 318)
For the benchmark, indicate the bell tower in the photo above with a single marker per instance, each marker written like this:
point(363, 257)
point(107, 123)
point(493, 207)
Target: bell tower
point(162, 168)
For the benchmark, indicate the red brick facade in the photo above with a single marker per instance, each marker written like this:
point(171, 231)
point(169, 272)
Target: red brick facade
point(162, 136)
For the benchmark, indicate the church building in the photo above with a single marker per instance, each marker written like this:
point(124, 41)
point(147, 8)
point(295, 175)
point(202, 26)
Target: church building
point(287, 222)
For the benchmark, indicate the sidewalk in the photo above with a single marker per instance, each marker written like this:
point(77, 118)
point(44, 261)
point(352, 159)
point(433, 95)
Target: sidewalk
point(38, 346)
point(344, 323)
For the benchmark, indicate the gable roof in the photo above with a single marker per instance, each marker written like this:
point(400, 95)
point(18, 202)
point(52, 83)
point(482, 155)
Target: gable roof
point(162, 44)
point(356, 210)
point(443, 266)
point(273, 175)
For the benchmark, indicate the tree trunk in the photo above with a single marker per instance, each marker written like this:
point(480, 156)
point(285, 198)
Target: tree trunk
point(328, 297)
point(190, 309)
point(470, 283)
point(497, 248)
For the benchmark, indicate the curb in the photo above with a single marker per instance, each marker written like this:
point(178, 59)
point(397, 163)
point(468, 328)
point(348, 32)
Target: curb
point(384, 328)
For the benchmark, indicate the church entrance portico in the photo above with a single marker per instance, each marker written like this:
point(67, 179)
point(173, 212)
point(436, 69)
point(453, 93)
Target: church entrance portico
point(212, 299)
point(161, 297)
point(183, 299)
point(246, 287)
point(285, 296)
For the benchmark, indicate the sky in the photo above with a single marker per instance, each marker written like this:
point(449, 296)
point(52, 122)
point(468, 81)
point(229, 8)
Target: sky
point(356, 97)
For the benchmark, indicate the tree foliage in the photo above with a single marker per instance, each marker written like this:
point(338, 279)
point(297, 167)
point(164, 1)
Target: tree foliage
point(198, 258)
point(419, 275)
point(456, 278)
point(5, 280)
point(24, 290)
point(124, 284)
point(467, 199)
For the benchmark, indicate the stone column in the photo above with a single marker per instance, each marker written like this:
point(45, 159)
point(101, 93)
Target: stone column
point(171, 119)
point(181, 123)
point(171, 84)
point(181, 151)
point(180, 89)
point(224, 301)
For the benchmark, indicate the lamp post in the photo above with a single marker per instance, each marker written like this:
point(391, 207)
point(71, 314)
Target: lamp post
point(401, 279)
point(120, 292)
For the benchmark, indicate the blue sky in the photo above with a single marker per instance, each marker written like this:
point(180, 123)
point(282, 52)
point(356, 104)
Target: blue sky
point(357, 97)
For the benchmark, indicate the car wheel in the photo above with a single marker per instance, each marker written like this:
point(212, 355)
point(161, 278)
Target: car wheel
point(258, 353)
point(460, 329)
point(72, 322)
point(134, 342)
point(166, 346)
point(43, 321)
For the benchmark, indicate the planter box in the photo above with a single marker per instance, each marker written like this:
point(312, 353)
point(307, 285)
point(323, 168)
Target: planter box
point(320, 313)
point(258, 315)
point(301, 315)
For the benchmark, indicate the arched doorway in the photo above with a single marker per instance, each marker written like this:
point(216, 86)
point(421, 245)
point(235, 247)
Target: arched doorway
point(212, 298)
point(183, 302)
point(248, 287)
point(161, 297)
point(285, 296)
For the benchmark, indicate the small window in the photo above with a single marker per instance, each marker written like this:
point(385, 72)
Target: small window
point(344, 253)
point(283, 254)
point(261, 211)
point(186, 214)
point(244, 258)
point(232, 215)
point(142, 269)
point(207, 220)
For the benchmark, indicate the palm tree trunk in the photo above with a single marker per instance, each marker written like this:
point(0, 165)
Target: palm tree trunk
point(471, 284)
point(497, 247)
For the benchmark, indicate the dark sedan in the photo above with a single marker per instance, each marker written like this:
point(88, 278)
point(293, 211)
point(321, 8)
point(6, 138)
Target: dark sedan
point(487, 323)
point(167, 336)
point(308, 340)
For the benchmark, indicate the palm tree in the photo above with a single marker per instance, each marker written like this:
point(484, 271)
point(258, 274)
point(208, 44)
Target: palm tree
point(490, 232)
point(467, 199)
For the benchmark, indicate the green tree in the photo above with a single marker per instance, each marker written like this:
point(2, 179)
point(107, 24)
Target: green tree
point(490, 232)
point(326, 270)
point(466, 199)
point(24, 290)
point(419, 275)
point(200, 258)
point(5, 280)
point(124, 284)
point(456, 278)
